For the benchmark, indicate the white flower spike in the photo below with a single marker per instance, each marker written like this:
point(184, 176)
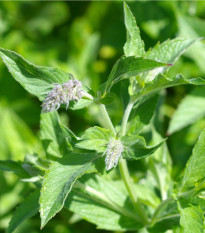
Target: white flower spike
point(62, 94)
point(113, 153)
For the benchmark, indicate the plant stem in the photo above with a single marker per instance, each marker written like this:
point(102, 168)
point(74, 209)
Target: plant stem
point(160, 206)
point(126, 117)
point(107, 118)
point(125, 172)
point(130, 188)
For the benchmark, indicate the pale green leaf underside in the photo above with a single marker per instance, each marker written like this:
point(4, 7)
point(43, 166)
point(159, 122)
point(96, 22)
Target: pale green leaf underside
point(59, 179)
point(94, 206)
point(195, 168)
point(134, 45)
point(28, 208)
point(191, 108)
point(192, 219)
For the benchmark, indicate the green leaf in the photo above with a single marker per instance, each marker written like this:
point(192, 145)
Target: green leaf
point(60, 178)
point(37, 80)
point(28, 208)
point(142, 115)
point(136, 148)
point(12, 166)
point(95, 138)
point(190, 26)
point(170, 50)
point(195, 167)
point(189, 110)
point(192, 218)
point(56, 139)
point(17, 139)
point(146, 196)
point(104, 203)
point(134, 45)
point(162, 81)
point(127, 67)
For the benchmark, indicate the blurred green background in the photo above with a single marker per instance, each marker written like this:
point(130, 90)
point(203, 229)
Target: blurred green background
point(85, 39)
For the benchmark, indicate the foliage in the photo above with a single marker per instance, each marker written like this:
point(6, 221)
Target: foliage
point(117, 157)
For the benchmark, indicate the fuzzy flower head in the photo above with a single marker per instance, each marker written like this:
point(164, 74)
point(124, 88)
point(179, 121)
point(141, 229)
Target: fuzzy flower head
point(62, 94)
point(113, 153)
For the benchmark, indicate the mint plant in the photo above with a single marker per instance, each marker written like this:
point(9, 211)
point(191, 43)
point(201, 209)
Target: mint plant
point(88, 174)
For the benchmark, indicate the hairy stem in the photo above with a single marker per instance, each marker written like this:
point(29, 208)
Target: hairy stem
point(107, 118)
point(125, 172)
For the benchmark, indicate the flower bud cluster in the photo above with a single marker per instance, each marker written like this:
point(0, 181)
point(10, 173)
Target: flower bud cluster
point(62, 94)
point(113, 153)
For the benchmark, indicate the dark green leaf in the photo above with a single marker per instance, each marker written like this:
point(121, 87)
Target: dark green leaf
point(28, 208)
point(136, 148)
point(127, 67)
point(35, 79)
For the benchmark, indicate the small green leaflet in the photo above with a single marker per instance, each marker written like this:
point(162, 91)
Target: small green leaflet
point(189, 110)
point(37, 80)
point(95, 138)
point(192, 218)
point(56, 140)
point(127, 67)
point(195, 168)
point(134, 45)
point(136, 148)
point(60, 178)
point(28, 208)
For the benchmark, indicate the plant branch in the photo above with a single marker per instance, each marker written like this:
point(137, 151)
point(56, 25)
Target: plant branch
point(125, 172)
